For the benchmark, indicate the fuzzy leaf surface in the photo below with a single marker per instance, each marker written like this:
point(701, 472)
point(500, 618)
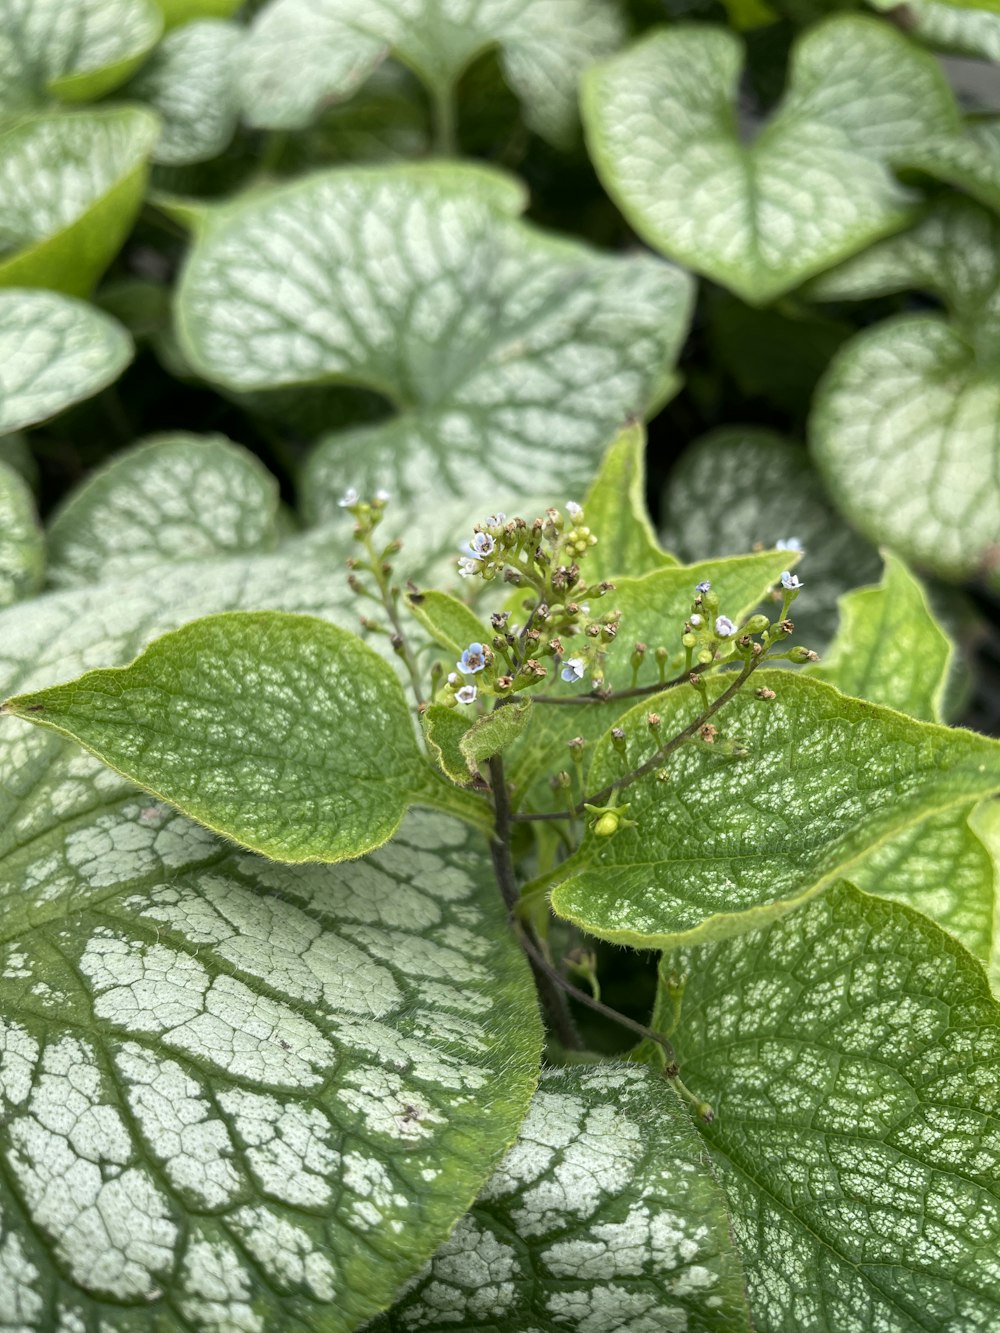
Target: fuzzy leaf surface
point(189, 83)
point(171, 498)
point(812, 186)
point(280, 731)
point(22, 546)
point(448, 621)
point(494, 732)
point(73, 49)
point(255, 1144)
point(741, 487)
point(615, 510)
point(303, 54)
point(444, 728)
point(605, 1214)
point(498, 347)
point(54, 351)
point(889, 648)
point(904, 425)
point(726, 843)
point(852, 1054)
point(72, 184)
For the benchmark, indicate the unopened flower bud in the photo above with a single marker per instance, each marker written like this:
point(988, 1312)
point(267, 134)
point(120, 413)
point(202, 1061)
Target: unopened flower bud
point(654, 721)
point(756, 625)
point(800, 654)
point(688, 640)
point(765, 693)
point(576, 747)
point(618, 739)
point(606, 825)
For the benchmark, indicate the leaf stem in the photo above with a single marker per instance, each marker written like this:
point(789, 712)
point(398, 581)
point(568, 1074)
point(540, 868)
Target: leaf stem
point(444, 121)
point(387, 596)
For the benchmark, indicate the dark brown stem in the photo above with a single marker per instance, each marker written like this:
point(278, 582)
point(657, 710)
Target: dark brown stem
point(552, 997)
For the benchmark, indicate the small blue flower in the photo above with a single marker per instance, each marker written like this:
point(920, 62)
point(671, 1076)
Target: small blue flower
point(466, 695)
point(704, 586)
point(790, 581)
point(468, 566)
point(482, 544)
point(349, 498)
point(788, 544)
point(496, 520)
point(574, 510)
point(695, 619)
point(472, 660)
point(724, 627)
point(573, 669)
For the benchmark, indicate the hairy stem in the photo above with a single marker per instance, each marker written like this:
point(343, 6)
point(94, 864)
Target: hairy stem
point(400, 642)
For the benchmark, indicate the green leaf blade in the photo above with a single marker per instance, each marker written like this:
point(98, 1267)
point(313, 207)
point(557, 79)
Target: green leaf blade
point(627, 544)
point(280, 731)
point(661, 125)
point(723, 845)
point(22, 545)
point(851, 1052)
point(603, 1215)
point(54, 351)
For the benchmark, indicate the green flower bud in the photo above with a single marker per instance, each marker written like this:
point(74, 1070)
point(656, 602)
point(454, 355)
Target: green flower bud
point(756, 625)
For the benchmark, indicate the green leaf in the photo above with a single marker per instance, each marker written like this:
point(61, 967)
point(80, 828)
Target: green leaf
point(904, 425)
point(615, 510)
point(189, 84)
point(76, 50)
point(725, 844)
point(970, 161)
point(945, 27)
point(54, 351)
point(814, 183)
point(448, 621)
point(72, 185)
point(282, 732)
point(499, 347)
point(171, 498)
point(176, 12)
point(604, 1215)
point(851, 1052)
point(302, 54)
point(22, 546)
point(494, 732)
point(654, 609)
point(444, 728)
point(743, 487)
point(889, 648)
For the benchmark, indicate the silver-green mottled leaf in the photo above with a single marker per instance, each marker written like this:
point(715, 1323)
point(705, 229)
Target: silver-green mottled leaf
point(603, 1217)
point(73, 49)
point(176, 12)
point(171, 498)
point(814, 183)
point(615, 511)
point(905, 422)
point(72, 184)
point(889, 648)
point(282, 732)
point(237, 1095)
point(724, 843)
point(970, 161)
point(946, 27)
point(743, 487)
point(189, 84)
point(852, 1054)
point(302, 54)
point(54, 351)
point(504, 352)
point(22, 545)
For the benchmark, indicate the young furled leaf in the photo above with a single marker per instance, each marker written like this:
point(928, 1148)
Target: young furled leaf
point(416, 282)
point(726, 844)
point(282, 732)
point(812, 186)
point(851, 1052)
point(904, 426)
point(604, 1215)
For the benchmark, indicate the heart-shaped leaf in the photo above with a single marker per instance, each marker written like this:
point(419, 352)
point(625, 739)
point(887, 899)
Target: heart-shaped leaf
point(905, 422)
point(814, 183)
point(22, 546)
point(970, 161)
point(281, 732)
point(303, 54)
point(727, 843)
point(287, 1084)
point(499, 348)
point(172, 498)
point(603, 1215)
point(852, 1054)
point(889, 648)
point(54, 351)
point(72, 185)
point(743, 487)
point(189, 84)
point(73, 49)
point(615, 510)
point(946, 27)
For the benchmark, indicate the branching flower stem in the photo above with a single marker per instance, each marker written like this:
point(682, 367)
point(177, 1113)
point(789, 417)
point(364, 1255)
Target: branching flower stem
point(387, 596)
point(612, 696)
point(656, 759)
